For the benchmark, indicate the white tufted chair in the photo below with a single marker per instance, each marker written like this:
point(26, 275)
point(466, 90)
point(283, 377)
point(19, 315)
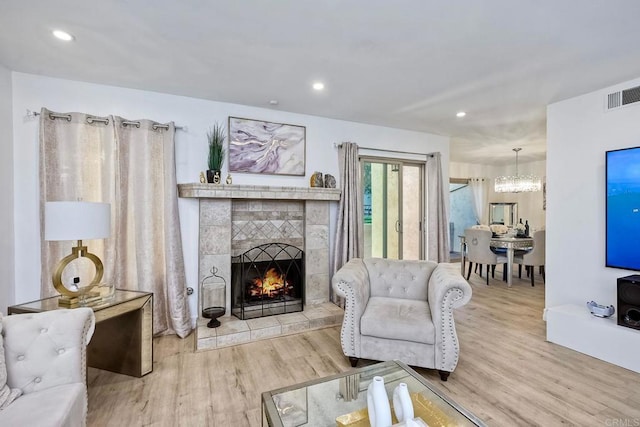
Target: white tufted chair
point(479, 251)
point(401, 310)
point(45, 355)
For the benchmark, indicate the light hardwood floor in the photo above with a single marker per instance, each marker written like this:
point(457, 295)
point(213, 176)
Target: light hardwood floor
point(508, 374)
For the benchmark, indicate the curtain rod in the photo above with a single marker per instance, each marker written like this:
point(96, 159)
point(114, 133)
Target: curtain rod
point(91, 119)
point(336, 145)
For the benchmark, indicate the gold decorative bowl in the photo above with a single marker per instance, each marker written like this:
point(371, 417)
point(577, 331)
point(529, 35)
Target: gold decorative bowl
point(423, 408)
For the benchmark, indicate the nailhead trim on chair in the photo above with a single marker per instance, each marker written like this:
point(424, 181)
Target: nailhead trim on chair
point(450, 297)
point(85, 330)
point(349, 303)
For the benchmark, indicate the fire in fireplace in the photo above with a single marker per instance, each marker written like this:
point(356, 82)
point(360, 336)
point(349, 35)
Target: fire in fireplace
point(267, 280)
point(272, 285)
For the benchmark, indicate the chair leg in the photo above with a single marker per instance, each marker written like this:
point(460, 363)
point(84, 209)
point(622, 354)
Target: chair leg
point(487, 275)
point(519, 271)
point(469, 271)
point(481, 269)
point(444, 375)
point(532, 270)
point(504, 272)
point(353, 361)
point(543, 274)
point(493, 271)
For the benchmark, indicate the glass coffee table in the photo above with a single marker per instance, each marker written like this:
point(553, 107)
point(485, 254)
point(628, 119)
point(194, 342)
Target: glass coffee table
point(341, 400)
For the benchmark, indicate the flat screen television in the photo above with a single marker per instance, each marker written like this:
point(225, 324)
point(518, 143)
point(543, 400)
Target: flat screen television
point(623, 208)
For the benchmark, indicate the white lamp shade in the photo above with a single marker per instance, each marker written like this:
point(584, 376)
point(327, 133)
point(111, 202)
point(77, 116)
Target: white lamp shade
point(76, 220)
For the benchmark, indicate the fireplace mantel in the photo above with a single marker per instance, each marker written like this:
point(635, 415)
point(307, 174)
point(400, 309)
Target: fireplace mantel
point(234, 218)
point(256, 192)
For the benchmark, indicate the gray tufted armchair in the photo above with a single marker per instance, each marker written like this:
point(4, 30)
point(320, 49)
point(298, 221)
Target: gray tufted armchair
point(401, 310)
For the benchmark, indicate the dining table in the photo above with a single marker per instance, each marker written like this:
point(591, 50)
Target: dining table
point(510, 243)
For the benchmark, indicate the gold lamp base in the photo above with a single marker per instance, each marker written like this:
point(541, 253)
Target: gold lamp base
point(68, 297)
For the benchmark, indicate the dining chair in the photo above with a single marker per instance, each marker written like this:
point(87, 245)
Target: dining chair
point(533, 258)
point(479, 251)
point(481, 227)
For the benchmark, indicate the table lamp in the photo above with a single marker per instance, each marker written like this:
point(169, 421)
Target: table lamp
point(76, 221)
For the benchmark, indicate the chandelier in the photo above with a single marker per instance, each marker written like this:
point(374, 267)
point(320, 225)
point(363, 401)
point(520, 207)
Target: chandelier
point(517, 183)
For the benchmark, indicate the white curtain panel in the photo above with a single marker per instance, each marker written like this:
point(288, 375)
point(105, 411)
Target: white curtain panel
point(350, 227)
point(480, 197)
point(134, 170)
point(437, 217)
point(149, 247)
point(77, 162)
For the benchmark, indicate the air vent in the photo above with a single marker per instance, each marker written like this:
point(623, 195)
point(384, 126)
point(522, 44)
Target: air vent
point(630, 96)
point(621, 98)
point(614, 100)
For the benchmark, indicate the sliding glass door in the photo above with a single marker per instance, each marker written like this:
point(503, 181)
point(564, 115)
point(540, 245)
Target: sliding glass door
point(393, 206)
point(412, 213)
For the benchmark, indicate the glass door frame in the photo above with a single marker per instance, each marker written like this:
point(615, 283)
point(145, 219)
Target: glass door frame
point(401, 162)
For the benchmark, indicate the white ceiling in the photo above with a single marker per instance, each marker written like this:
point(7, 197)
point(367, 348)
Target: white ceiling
point(409, 64)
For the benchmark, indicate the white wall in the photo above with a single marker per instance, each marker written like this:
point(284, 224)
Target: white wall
point(6, 192)
point(33, 92)
point(579, 131)
point(529, 204)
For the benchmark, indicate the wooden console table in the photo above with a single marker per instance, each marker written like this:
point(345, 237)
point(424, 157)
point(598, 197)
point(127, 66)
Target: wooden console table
point(123, 339)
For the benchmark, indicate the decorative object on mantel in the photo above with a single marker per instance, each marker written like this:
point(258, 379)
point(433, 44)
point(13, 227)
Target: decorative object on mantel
point(316, 180)
point(216, 137)
point(203, 179)
point(600, 310)
point(266, 147)
point(215, 294)
point(329, 181)
point(229, 179)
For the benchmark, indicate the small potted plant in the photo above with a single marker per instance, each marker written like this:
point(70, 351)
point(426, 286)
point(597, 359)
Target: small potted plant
point(216, 137)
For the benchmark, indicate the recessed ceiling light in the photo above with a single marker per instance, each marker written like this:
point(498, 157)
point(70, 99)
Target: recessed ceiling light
point(318, 86)
point(274, 102)
point(461, 114)
point(63, 35)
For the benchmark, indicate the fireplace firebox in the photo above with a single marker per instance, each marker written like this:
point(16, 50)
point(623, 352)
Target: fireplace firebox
point(267, 280)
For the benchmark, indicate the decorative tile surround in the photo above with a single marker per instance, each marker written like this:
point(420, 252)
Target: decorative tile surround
point(257, 222)
point(235, 218)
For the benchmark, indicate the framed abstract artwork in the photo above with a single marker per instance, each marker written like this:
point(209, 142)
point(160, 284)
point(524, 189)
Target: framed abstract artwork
point(265, 147)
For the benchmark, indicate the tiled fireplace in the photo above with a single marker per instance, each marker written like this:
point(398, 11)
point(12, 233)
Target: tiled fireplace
point(234, 219)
